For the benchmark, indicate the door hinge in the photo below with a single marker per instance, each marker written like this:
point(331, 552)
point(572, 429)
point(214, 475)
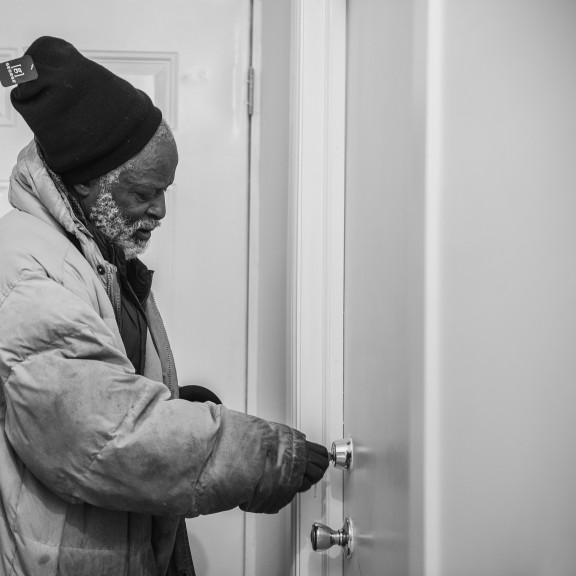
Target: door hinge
point(250, 100)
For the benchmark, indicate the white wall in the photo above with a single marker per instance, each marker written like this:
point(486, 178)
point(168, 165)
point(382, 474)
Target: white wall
point(271, 195)
point(506, 332)
point(268, 537)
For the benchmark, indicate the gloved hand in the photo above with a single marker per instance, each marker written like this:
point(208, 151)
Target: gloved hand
point(194, 393)
point(316, 464)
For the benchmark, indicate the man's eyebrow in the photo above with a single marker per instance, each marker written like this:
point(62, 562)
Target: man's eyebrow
point(146, 183)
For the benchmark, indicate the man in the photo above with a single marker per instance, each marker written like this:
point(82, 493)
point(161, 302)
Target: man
point(100, 460)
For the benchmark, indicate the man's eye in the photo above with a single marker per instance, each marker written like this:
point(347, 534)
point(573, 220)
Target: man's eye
point(147, 196)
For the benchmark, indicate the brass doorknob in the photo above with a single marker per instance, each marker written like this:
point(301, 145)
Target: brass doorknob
point(323, 537)
point(341, 454)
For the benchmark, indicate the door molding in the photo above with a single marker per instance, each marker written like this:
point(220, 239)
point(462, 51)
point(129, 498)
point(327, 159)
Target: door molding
point(4, 204)
point(156, 73)
point(8, 114)
point(316, 261)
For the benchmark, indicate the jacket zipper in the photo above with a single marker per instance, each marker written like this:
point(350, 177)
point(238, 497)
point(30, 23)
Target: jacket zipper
point(114, 297)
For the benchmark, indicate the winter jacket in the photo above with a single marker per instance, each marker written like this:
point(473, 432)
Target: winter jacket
point(99, 464)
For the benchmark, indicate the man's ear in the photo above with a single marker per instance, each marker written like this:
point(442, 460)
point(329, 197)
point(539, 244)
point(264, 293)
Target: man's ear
point(83, 189)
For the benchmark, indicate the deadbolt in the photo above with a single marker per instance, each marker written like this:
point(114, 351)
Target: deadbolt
point(323, 537)
point(341, 454)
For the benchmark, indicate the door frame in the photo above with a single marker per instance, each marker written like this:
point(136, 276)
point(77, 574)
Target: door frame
point(316, 260)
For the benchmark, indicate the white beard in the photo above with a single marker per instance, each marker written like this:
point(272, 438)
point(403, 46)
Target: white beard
point(108, 218)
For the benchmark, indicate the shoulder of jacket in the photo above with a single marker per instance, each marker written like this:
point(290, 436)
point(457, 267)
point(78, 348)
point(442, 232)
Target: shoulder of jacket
point(30, 244)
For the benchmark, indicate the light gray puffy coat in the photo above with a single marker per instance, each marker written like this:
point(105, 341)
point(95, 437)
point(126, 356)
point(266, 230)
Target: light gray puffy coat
point(98, 464)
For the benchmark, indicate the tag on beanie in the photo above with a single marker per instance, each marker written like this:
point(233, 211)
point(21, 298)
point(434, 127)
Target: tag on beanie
point(18, 71)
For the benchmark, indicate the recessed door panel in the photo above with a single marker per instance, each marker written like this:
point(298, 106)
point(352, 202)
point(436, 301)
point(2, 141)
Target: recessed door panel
point(376, 310)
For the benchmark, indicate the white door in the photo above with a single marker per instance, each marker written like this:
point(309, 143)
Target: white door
point(192, 57)
point(378, 305)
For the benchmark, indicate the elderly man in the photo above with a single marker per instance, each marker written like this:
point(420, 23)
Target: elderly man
point(100, 460)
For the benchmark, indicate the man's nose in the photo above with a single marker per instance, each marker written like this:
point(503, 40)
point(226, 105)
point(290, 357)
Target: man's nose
point(158, 208)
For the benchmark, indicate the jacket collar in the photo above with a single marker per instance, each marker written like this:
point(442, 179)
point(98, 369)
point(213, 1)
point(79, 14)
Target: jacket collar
point(37, 190)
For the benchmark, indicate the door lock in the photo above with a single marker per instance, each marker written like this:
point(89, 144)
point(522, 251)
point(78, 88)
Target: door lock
point(323, 537)
point(341, 454)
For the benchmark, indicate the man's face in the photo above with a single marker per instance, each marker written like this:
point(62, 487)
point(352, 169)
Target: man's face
point(129, 208)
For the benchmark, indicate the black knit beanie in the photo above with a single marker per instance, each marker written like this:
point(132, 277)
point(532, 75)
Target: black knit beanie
point(86, 119)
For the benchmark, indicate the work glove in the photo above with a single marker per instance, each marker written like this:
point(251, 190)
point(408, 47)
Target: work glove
point(194, 393)
point(316, 464)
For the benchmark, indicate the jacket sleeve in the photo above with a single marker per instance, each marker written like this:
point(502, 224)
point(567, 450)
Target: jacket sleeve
point(93, 431)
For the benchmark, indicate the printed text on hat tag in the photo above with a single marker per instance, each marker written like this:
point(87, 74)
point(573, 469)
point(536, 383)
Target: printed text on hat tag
point(18, 71)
